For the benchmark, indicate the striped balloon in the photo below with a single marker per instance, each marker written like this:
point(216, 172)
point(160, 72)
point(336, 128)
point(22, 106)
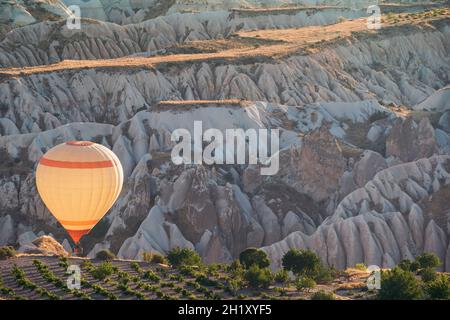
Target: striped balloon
point(79, 181)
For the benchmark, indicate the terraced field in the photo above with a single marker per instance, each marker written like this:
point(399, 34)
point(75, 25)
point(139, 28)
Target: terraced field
point(33, 277)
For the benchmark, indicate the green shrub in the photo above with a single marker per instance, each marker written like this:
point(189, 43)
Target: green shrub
point(361, 266)
point(105, 255)
point(7, 252)
point(183, 256)
point(63, 262)
point(177, 277)
point(439, 288)
point(88, 265)
point(302, 262)
point(254, 256)
point(322, 295)
point(324, 274)
point(150, 275)
point(236, 269)
point(258, 277)
point(281, 276)
point(104, 292)
point(213, 268)
point(205, 281)
point(154, 257)
point(235, 265)
point(406, 265)
point(428, 260)
point(234, 285)
point(189, 271)
point(409, 265)
point(103, 271)
point(305, 284)
point(398, 284)
point(428, 275)
point(136, 267)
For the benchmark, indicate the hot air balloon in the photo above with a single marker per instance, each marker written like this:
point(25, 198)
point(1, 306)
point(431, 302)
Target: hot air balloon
point(79, 181)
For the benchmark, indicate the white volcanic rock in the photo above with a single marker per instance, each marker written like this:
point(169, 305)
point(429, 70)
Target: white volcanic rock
point(100, 95)
point(7, 127)
point(7, 230)
point(444, 121)
point(19, 13)
point(45, 245)
point(9, 198)
point(382, 237)
point(219, 210)
point(369, 164)
point(131, 11)
point(293, 222)
point(411, 141)
point(26, 238)
point(67, 246)
point(197, 208)
point(438, 101)
point(89, 8)
point(108, 40)
point(417, 226)
point(318, 166)
point(436, 242)
point(268, 221)
point(442, 141)
point(154, 235)
point(22, 12)
point(97, 248)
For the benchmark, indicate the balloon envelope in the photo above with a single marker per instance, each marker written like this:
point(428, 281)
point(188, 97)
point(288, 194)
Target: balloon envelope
point(79, 181)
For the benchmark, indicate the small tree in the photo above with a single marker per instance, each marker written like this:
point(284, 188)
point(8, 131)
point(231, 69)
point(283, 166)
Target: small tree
point(254, 256)
point(439, 288)
point(305, 284)
point(398, 284)
point(258, 277)
point(183, 256)
point(322, 295)
point(303, 262)
point(428, 260)
point(361, 266)
point(428, 275)
point(105, 255)
point(154, 257)
point(236, 269)
point(7, 252)
point(409, 265)
point(103, 271)
point(282, 277)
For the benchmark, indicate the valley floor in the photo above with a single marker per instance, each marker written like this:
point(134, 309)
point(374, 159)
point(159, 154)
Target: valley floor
point(130, 281)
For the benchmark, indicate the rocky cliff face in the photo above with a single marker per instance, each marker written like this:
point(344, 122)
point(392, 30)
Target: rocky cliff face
point(51, 42)
point(382, 223)
point(364, 137)
point(45, 101)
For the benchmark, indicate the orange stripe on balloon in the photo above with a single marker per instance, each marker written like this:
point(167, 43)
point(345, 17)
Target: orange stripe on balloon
point(79, 143)
point(77, 234)
point(76, 165)
point(78, 223)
